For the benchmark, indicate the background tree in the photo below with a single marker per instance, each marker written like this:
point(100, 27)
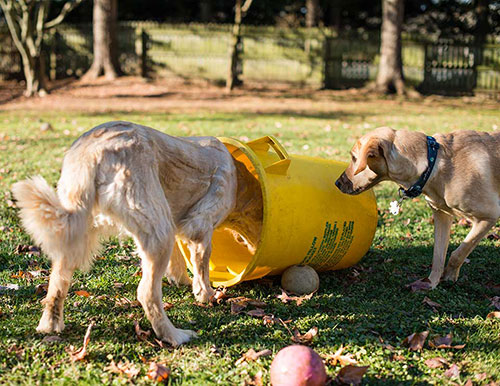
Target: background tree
point(390, 71)
point(236, 48)
point(28, 21)
point(105, 60)
point(312, 13)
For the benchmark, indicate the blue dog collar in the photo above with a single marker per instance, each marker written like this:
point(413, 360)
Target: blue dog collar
point(416, 189)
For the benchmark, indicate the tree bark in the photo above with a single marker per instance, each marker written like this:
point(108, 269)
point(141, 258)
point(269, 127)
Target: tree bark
point(390, 73)
point(312, 14)
point(235, 64)
point(105, 60)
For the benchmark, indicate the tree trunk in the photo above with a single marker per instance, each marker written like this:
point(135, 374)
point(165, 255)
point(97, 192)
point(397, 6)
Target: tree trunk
point(312, 14)
point(234, 54)
point(390, 71)
point(105, 43)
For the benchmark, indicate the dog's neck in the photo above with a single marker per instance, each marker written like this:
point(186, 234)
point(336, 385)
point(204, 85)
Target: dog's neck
point(410, 155)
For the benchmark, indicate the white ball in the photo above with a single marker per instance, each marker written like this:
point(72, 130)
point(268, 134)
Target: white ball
point(300, 279)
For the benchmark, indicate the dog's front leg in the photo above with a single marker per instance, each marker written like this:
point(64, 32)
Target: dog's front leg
point(60, 279)
point(200, 259)
point(479, 229)
point(442, 226)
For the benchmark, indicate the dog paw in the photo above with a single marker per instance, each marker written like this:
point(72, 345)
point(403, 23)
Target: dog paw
point(204, 296)
point(181, 336)
point(48, 325)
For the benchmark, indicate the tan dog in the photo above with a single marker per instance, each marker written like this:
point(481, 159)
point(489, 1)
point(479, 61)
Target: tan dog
point(154, 186)
point(464, 182)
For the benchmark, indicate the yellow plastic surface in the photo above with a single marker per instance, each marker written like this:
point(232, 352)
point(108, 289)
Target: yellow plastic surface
point(306, 219)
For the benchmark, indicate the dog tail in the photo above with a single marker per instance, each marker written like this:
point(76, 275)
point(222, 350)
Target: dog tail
point(61, 230)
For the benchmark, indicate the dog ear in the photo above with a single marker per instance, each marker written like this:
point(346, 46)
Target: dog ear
point(372, 148)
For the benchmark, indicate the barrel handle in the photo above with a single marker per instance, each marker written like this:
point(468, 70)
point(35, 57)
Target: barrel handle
point(278, 167)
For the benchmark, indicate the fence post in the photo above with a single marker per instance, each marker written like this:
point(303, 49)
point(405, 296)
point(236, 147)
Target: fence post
point(141, 50)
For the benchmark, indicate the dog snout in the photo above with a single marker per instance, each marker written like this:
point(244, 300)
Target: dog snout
point(344, 184)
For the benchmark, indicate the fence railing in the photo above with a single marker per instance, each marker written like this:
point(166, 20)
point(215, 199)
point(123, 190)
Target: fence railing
point(303, 56)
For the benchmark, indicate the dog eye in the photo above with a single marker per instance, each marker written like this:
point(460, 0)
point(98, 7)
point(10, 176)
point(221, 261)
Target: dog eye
point(353, 158)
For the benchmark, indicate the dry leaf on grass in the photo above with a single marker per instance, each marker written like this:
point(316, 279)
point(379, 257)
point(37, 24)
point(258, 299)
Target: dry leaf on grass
point(252, 355)
point(434, 363)
point(305, 338)
point(431, 303)
point(81, 353)
point(419, 285)
point(140, 333)
point(236, 308)
point(41, 289)
point(416, 341)
point(166, 306)
point(351, 375)
point(256, 380)
point(126, 303)
point(158, 372)
point(82, 293)
point(17, 351)
point(493, 315)
point(495, 302)
point(286, 298)
point(337, 356)
point(452, 372)
point(444, 342)
point(219, 296)
point(257, 313)
point(129, 369)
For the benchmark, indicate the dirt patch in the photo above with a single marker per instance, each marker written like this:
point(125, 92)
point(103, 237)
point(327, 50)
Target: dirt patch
point(178, 95)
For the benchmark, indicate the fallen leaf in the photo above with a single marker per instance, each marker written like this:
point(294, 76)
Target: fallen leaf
point(286, 298)
point(337, 356)
point(494, 314)
point(247, 301)
point(416, 341)
point(431, 303)
point(452, 372)
point(129, 369)
point(257, 313)
point(256, 380)
point(158, 372)
point(252, 355)
point(441, 342)
point(436, 362)
point(219, 296)
point(269, 320)
point(24, 248)
point(52, 339)
point(81, 353)
point(351, 375)
point(41, 289)
point(236, 308)
point(126, 303)
point(141, 334)
point(306, 338)
point(464, 222)
point(495, 302)
point(167, 306)
point(82, 293)
point(419, 285)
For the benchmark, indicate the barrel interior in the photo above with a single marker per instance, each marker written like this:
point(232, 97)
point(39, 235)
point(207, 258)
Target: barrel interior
point(230, 253)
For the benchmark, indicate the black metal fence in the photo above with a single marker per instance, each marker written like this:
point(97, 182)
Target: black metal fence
point(298, 56)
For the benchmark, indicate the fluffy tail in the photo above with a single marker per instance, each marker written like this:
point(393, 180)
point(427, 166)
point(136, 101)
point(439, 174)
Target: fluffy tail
point(61, 232)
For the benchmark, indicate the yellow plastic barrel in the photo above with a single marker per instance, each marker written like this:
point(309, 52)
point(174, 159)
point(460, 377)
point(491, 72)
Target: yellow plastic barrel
point(306, 219)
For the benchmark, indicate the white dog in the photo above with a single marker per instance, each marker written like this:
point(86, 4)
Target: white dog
point(156, 187)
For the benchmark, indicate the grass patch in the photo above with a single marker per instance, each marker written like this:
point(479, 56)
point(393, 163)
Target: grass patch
point(366, 307)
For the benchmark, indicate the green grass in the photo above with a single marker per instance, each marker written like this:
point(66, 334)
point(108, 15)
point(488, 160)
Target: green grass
point(364, 307)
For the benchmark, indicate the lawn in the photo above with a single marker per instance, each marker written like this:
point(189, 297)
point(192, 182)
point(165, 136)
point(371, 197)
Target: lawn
point(366, 308)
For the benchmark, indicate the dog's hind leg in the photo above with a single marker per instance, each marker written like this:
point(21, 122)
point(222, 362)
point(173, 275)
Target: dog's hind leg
point(478, 231)
point(200, 257)
point(60, 280)
point(176, 269)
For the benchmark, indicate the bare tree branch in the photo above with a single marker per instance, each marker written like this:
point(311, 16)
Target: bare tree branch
point(67, 8)
point(246, 6)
